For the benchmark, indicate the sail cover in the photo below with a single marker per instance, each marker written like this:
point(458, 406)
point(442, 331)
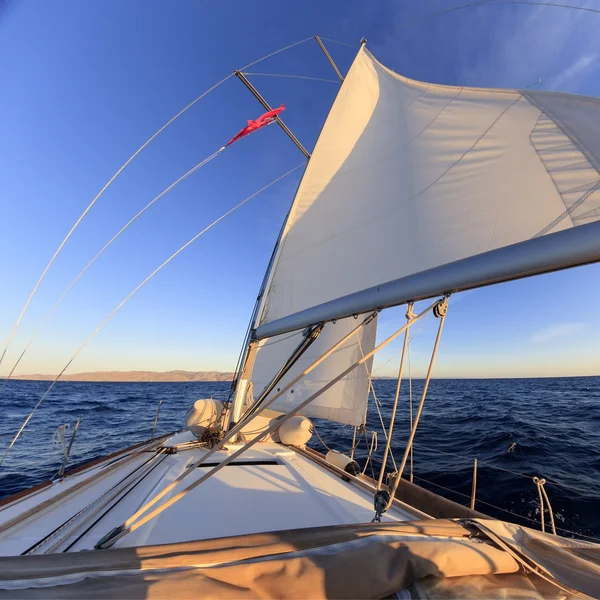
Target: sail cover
point(408, 176)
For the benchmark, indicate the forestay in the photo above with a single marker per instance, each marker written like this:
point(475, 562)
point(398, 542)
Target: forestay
point(408, 176)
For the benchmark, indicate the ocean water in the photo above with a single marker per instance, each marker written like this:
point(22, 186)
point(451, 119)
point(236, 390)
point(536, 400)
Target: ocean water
point(516, 428)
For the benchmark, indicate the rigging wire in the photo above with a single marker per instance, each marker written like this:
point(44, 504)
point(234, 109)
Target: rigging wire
point(492, 466)
point(126, 226)
point(131, 294)
point(294, 77)
point(276, 52)
point(510, 512)
point(118, 172)
point(410, 339)
point(377, 404)
point(483, 2)
point(91, 204)
point(336, 42)
point(287, 337)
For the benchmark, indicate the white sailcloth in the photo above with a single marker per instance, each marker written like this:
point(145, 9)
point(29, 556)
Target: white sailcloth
point(407, 176)
point(346, 401)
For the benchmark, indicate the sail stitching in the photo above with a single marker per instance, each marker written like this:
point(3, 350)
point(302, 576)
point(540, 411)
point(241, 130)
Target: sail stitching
point(345, 171)
point(440, 177)
point(365, 223)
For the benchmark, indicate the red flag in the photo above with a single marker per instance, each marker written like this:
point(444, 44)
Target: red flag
point(252, 126)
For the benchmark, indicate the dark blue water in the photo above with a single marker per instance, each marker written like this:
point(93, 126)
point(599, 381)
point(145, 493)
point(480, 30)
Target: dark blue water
point(544, 427)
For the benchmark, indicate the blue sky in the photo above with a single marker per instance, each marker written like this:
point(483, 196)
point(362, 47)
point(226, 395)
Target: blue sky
point(86, 83)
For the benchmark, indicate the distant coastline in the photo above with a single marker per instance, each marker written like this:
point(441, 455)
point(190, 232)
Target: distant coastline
point(135, 376)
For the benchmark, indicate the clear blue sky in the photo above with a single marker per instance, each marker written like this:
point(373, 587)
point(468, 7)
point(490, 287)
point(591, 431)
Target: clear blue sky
point(84, 83)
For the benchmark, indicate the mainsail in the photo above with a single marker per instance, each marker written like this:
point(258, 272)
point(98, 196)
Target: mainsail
point(409, 180)
point(407, 177)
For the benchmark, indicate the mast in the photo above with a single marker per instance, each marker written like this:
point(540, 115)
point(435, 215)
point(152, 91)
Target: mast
point(268, 107)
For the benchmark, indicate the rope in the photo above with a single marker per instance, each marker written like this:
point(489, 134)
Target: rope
point(539, 482)
point(294, 77)
point(439, 309)
point(410, 410)
point(72, 284)
point(58, 439)
point(166, 262)
point(409, 317)
point(410, 339)
point(314, 429)
point(377, 405)
point(372, 448)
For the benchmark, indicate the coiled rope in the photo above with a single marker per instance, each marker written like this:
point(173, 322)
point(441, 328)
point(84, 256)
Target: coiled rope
point(131, 294)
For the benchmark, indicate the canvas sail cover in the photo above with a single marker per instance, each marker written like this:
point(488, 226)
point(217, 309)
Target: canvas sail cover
point(368, 560)
point(407, 176)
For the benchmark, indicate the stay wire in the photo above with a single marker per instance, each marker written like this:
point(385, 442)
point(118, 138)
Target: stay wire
point(131, 294)
point(487, 2)
point(91, 204)
point(118, 172)
point(492, 466)
point(510, 512)
point(122, 230)
point(336, 42)
point(294, 77)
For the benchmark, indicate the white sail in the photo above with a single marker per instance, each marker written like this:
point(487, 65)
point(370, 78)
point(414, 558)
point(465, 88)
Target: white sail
point(408, 176)
point(346, 401)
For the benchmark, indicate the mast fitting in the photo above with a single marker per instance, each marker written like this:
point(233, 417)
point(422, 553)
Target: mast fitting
point(440, 309)
point(268, 107)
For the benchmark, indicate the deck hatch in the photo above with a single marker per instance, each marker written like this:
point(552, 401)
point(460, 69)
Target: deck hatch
point(242, 463)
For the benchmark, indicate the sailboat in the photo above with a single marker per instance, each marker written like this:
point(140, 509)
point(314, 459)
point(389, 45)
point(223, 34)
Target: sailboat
point(414, 191)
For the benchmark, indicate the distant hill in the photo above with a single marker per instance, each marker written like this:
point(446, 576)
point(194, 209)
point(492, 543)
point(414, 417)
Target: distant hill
point(122, 376)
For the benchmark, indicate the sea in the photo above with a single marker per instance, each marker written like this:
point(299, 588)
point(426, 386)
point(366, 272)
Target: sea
point(517, 429)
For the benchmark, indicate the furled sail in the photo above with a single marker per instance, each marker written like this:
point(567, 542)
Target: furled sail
point(407, 177)
point(346, 401)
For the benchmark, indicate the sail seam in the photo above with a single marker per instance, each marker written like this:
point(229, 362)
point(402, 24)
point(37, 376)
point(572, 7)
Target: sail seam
point(565, 129)
point(346, 171)
point(465, 153)
point(545, 127)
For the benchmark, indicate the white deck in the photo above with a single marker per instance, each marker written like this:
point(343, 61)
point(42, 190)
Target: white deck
point(286, 491)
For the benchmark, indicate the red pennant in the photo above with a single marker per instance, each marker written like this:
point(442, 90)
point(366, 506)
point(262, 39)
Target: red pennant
point(252, 126)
